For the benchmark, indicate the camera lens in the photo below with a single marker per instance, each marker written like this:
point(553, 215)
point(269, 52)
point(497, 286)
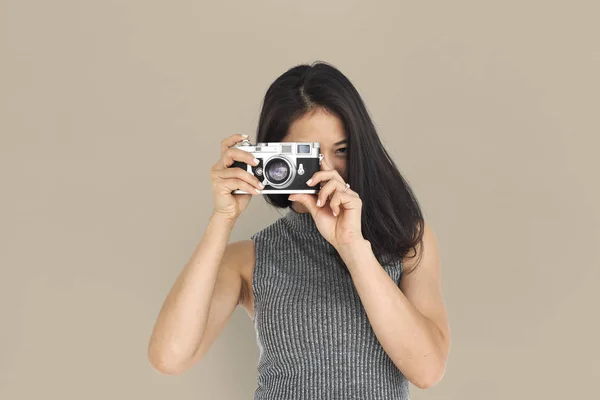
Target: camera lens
point(280, 172)
point(277, 171)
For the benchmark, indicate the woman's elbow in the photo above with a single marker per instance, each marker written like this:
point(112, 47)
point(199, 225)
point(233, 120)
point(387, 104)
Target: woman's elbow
point(165, 368)
point(430, 377)
point(163, 364)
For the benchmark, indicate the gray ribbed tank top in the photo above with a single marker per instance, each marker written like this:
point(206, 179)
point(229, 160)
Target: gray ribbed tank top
point(312, 331)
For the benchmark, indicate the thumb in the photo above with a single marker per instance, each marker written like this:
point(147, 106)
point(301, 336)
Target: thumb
point(307, 200)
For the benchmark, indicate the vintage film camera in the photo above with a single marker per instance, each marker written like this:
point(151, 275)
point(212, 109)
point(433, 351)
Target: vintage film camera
point(284, 167)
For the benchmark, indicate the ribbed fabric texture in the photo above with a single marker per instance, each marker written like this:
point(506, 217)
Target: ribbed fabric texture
point(313, 334)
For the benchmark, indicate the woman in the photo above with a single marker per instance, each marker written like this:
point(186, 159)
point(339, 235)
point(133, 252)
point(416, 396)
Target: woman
point(344, 290)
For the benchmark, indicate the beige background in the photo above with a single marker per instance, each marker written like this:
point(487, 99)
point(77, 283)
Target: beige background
point(111, 114)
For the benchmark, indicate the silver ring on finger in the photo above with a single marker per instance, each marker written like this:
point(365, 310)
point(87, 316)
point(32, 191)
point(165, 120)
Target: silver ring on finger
point(346, 188)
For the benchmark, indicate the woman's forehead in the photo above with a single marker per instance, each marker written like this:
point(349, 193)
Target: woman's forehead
point(319, 126)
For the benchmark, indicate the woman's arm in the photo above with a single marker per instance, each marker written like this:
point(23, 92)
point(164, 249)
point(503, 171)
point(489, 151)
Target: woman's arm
point(200, 302)
point(409, 321)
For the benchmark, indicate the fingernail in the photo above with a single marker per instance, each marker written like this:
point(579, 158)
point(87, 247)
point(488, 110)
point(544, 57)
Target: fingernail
point(309, 181)
point(319, 203)
point(245, 136)
point(257, 191)
point(334, 214)
point(262, 185)
point(256, 161)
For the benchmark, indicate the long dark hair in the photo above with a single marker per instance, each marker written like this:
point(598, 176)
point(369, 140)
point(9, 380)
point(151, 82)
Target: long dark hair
point(392, 220)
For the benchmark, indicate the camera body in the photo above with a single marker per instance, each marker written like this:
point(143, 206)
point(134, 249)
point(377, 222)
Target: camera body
point(284, 167)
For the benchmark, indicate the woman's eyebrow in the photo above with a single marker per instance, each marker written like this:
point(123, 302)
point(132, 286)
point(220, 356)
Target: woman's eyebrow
point(341, 142)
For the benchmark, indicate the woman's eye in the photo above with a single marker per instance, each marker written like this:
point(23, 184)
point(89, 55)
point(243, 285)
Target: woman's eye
point(343, 150)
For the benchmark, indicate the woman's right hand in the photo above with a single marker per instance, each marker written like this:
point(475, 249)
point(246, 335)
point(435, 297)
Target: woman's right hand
point(225, 180)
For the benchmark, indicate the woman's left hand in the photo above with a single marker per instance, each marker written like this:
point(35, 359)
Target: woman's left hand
point(336, 209)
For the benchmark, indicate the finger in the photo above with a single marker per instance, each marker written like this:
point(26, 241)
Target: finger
point(231, 173)
point(327, 190)
point(341, 200)
point(231, 140)
point(232, 154)
point(321, 176)
point(325, 166)
point(229, 185)
point(307, 200)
